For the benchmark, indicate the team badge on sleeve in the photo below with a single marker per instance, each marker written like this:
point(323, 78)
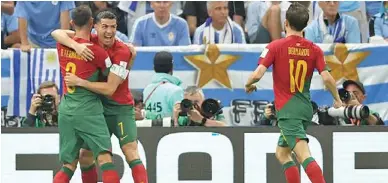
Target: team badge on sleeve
point(264, 53)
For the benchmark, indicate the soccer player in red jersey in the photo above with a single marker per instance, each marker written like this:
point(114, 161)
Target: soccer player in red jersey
point(119, 107)
point(81, 118)
point(294, 59)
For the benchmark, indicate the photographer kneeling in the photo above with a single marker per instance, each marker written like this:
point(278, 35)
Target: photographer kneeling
point(43, 110)
point(354, 112)
point(194, 110)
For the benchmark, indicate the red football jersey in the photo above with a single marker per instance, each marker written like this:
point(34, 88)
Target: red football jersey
point(120, 54)
point(70, 61)
point(294, 60)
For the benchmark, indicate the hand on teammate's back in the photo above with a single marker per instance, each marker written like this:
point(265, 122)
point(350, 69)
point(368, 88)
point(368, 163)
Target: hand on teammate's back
point(83, 50)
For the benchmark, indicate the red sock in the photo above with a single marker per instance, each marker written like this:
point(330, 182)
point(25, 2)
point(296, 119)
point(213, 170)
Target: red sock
point(291, 172)
point(110, 176)
point(292, 175)
point(139, 174)
point(313, 171)
point(89, 175)
point(61, 177)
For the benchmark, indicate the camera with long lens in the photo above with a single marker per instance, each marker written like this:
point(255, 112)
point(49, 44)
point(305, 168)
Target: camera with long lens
point(208, 109)
point(354, 112)
point(45, 111)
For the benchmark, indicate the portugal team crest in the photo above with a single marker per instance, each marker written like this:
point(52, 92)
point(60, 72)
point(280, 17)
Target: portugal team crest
point(171, 36)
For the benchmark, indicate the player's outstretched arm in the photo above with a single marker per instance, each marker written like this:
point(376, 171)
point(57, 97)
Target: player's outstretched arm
point(255, 77)
point(65, 37)
point(330, 84)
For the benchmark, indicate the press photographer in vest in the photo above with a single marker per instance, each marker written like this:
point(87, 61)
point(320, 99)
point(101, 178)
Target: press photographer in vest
point(44, 104)
point(194, 110)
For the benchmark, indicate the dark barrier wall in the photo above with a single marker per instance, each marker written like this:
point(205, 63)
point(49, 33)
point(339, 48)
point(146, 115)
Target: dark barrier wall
point(224, 155)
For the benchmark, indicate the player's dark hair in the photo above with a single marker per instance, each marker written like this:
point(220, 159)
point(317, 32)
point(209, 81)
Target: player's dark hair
point(105, 14)
point(81, 15)
point(297, 16)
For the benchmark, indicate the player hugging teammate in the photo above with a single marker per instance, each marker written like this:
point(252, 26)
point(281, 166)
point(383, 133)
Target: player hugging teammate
point(293, 60)
point(110, 114)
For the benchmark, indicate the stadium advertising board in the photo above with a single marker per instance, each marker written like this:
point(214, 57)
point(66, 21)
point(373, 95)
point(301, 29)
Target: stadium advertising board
point(227, 155)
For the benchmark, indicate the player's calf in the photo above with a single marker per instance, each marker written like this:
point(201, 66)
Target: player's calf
point(64, 175)
point(131, 153)
point(109, 173)
point(291, 172)
point(312, 169)
point(88, 167)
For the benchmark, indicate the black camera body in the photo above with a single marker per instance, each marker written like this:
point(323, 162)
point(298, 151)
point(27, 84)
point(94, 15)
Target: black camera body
point(45, 111)
point(209, 108)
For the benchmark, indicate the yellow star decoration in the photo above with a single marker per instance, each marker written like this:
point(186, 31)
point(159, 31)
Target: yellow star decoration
point(343, 64)
point(51, 57)
point(212, 65)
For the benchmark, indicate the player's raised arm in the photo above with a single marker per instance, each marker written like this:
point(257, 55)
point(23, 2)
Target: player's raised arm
point(65, 37)
point(328, 80)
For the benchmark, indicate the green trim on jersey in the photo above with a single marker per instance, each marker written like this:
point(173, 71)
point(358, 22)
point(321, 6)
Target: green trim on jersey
point(82, 101)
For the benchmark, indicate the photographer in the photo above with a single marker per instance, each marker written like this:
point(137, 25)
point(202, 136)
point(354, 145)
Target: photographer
point(357, 97)
point(269, 116)
point(194, 110)
point(44, 104)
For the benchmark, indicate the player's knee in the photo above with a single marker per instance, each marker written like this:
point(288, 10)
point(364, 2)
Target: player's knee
point(302, 150)
point(130, 151)
point(283, 155)
point(104, 157)
point(72, 166)
point(86, 158)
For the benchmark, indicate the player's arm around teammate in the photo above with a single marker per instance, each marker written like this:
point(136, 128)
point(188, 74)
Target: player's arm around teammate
point(65, 37)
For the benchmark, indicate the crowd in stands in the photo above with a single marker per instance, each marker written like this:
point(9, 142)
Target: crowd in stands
point(28, 24)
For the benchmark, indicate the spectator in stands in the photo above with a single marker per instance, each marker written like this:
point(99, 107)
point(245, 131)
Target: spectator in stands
point(164, 90)
point(357, 10)
point(372, 8)
point(196, 13)
point(358, 93)
point(37, 116)
point(381, 22)
point(265, 20)
point(10, 31)
point(136, 9)
point(160, 28)
point(196, 96)
point(219, 28)
point(331, 27)
point(7, 7)
point(38, 19)
point(98, 6)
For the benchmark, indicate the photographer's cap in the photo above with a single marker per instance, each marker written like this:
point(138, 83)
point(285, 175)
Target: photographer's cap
point(357, 83)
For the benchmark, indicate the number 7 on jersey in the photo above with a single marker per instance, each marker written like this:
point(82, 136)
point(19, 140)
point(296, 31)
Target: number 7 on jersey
point(296, 78)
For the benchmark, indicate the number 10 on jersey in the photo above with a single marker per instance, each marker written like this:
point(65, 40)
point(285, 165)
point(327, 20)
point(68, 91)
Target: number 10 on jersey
point(296, 77)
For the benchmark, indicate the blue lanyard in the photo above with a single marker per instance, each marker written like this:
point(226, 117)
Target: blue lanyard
point(337, 29)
